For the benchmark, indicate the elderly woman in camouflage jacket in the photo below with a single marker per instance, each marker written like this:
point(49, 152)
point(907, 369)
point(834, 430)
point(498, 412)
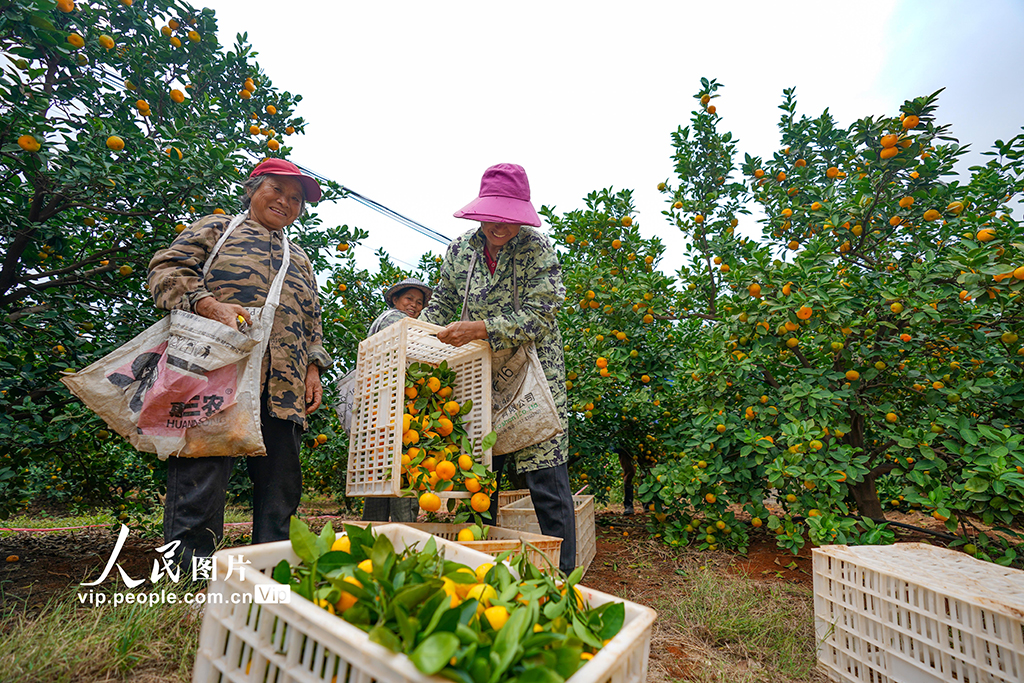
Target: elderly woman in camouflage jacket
point(484, 260)
point(241, 274)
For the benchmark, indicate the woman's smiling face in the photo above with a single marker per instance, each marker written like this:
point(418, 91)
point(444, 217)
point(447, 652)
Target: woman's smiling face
point(499, 234)
point(276, 202)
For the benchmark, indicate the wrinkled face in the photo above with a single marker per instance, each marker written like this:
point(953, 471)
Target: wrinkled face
point(277, 202)
point(499, 234)
point(410, 302)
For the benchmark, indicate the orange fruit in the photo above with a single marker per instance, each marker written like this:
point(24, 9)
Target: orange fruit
point(175, 41)
point(465, 462)
point(758, 173)
point(781, 176)
point(831, 172)
point(710, 498)
point(888, 152)
point(889, 140)
point(931, 214)
point(244, 94)
point(891, 418)
point(177, 96)
point(602, 362)
point(194, 36)
point(480, 502)
point(28, 143)
point(347, 600)
point(273, 144)
point(698, 218)
point(66, 6)
point(451, 407)
point(473, 485)
point(76, 40)
point(271, 109)
point(720, 429)
point(445, 470)
point(627, 221)
point(906, 202)
point(106, 41)
point(755, 290)
point(431, 503)
point(125, 270)
point(910, 122)
point(804, 312)
point(986, 235)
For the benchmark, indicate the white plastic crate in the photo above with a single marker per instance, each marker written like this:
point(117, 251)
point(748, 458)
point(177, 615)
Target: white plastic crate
point(546, 555)
point(301, 643)
point(375, 442)
point(914, 612)
point(521, 516)
point(507, 497)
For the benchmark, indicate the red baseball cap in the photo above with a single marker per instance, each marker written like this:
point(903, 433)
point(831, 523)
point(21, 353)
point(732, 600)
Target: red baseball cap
point(275, 166)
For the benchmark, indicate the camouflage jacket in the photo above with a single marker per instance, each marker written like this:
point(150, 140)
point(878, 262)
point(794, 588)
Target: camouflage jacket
point(389, 317)
point(541, 294)
point(242, 273)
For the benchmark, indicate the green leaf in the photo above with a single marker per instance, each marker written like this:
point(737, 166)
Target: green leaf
point(303, 541)
point(976, 485)
point(488, 441)
point(612, 620)
point(382, 635)
point(282, 572)
point(434, 653)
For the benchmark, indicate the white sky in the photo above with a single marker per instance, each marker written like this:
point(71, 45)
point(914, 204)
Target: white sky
point(409, 102)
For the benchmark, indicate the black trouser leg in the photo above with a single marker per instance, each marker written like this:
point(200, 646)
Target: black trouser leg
point(376, 509)
point(194, 507)
point(276, 479)
point(404, 509)
point(556, 513)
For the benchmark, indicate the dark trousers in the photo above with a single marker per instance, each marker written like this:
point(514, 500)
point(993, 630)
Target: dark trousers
point(552, 500)
point(395, 509)
point(196, 488)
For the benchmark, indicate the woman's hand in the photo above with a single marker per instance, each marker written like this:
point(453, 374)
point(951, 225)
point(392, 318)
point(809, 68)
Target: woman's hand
point(208, 307)
point(314, 389)
point(460, 333)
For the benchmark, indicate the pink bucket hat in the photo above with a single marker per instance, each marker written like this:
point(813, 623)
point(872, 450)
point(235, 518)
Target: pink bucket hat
point(504, 198)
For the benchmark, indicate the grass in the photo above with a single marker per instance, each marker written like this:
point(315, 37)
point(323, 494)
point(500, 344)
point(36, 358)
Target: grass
point(751, 631)
point(153, 520)
point(67, 641)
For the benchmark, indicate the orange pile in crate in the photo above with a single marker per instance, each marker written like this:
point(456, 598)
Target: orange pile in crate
point(436, 450)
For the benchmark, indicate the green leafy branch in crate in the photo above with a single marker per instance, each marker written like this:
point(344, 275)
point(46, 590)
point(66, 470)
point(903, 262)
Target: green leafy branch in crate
point(470, 626)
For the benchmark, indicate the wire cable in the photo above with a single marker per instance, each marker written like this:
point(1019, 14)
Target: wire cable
point(114, 80)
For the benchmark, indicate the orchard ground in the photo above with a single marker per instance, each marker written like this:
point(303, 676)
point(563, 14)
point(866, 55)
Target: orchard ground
point(722, 616)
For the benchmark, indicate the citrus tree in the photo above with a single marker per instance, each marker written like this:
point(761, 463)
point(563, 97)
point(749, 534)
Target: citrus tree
point(121, 123)
point(866, 342)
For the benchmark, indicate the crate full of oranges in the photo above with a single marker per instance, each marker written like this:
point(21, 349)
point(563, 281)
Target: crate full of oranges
point(419, 402)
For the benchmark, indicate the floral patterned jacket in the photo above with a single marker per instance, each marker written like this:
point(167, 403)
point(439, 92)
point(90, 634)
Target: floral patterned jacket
point(241, 274)
point(541, 294)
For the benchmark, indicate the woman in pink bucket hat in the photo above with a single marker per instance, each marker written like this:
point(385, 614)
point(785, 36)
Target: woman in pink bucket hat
point(502, 283)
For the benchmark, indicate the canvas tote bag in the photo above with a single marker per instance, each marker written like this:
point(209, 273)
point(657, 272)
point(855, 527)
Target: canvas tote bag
point(523, 411)
point(188, 386)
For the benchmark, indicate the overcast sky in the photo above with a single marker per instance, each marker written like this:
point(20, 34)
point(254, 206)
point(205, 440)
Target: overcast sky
point(409, 102)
